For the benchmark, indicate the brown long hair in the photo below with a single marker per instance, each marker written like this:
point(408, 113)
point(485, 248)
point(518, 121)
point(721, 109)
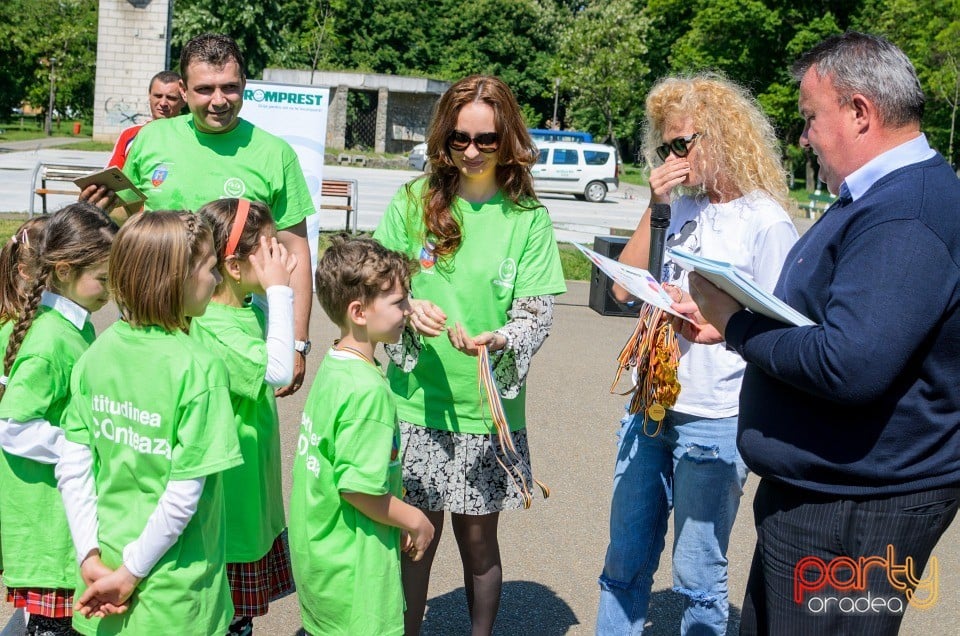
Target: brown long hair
point(516, 154)
point(19, 263)
point(78, 236)
point(153, 256)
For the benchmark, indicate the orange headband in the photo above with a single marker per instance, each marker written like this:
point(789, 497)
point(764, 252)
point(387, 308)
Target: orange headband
point(243, 209)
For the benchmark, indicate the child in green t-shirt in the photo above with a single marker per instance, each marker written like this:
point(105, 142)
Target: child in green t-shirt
point(49, 328)
point(346, 515)
point(148, 429)
point(19, 261)
point(255, 340)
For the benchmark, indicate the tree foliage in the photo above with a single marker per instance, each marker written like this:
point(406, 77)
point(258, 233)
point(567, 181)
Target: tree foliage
point(601, 65)
point(32, 32)
point(606, 53)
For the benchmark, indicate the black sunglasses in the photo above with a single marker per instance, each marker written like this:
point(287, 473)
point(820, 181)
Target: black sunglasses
point(679, 146)
point(485, 142)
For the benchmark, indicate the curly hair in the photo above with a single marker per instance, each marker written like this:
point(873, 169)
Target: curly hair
point(515, 156)
point(358, 269)
point(738, 148)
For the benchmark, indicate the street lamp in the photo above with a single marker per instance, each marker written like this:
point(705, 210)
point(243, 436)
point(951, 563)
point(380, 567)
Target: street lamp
point(53, 62)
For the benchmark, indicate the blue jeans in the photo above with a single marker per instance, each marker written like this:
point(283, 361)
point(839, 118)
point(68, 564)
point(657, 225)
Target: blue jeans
point(693, 468)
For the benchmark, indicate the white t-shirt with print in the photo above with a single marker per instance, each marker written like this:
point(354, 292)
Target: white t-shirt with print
point(754, 234)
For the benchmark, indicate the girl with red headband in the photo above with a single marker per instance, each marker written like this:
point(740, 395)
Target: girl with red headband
point(255, 338)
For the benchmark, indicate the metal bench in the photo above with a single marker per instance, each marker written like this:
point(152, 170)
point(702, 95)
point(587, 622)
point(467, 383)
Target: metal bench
point(345, 190)
point(820, 200)
point(58, 173)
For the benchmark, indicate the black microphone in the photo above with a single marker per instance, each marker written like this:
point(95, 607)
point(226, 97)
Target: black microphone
point(659, 222)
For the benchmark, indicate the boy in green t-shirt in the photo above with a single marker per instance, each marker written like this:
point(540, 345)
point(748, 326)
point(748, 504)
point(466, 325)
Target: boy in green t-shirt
point(346, 515)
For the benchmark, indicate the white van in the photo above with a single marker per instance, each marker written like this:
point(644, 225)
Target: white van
point(587, 171)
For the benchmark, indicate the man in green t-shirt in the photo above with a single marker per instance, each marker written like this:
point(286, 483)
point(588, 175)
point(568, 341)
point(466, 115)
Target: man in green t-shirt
point(184, 162)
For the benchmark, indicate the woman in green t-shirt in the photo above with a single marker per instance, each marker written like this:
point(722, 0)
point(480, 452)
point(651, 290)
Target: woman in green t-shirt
point(489, 270)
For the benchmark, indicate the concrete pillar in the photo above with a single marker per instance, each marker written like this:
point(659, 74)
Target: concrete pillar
point(337, 118)
point(133, 45)
point(383, 105)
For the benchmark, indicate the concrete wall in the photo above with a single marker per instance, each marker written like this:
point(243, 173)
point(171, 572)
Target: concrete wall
point(404, 104)
point(133, 44)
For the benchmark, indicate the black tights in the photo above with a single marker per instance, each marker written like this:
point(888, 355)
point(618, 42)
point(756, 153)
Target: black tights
point(482, 572)
point(46, 626)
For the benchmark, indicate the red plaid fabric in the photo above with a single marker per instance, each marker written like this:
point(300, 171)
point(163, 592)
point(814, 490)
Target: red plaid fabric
point(52, 603)
point(254, 585)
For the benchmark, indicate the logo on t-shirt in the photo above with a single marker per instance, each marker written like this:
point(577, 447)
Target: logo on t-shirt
point(507, 273)
point(427, 257)
point(159, 175)
point(234, 187)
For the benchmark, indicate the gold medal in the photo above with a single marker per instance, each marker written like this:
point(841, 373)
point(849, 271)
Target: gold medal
point(656, 412)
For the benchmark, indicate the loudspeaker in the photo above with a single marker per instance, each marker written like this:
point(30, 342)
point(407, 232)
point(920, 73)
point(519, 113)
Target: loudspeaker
point(601, 296)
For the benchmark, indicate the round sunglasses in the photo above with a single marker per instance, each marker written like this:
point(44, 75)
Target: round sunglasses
point(485, 142)
point(679, 146)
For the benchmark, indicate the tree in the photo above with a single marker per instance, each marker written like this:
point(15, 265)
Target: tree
point(256, 26)
point(928, 31)
point(34, 31)
point(601, 63)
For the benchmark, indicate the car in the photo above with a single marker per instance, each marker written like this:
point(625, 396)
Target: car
point(417, 159)
point(585, 170)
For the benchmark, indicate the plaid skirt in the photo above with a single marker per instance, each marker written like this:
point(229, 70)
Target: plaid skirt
point(49, 602)
point(460, 472)
point(256, 584)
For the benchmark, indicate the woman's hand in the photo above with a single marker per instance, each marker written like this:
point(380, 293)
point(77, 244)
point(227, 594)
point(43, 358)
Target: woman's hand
point(470, 346)
point(272, 263)
point(664, 178)
point(702, 332)
point(426, 318)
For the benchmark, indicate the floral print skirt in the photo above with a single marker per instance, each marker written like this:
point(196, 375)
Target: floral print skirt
point(459, 472)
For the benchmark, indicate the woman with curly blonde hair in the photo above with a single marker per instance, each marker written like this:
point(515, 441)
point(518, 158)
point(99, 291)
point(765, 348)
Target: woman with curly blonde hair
point(716, 166)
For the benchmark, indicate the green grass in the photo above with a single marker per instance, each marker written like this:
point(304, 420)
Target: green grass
point(575, 264)
point(9, 224)
point(634, 174)
point(15, 131)
point(89, 145)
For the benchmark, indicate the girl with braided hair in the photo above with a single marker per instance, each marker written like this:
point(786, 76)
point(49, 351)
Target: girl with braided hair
point(18, 265)
point(51, 330)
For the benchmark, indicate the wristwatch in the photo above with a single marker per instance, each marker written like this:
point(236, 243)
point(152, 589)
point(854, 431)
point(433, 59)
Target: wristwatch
point(301, 346)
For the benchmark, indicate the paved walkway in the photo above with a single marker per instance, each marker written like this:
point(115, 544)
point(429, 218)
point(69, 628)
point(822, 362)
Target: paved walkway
point(29, 145)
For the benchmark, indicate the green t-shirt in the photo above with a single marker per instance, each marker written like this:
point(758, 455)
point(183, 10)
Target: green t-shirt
point(5, 330)
point(253, 491)
point(36, 539)
point(180, 168)
point(346, 566)
point(154, 406)
point(507, 252)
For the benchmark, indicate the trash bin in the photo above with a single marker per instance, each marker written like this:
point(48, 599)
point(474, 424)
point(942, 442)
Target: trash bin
point(76, 128)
